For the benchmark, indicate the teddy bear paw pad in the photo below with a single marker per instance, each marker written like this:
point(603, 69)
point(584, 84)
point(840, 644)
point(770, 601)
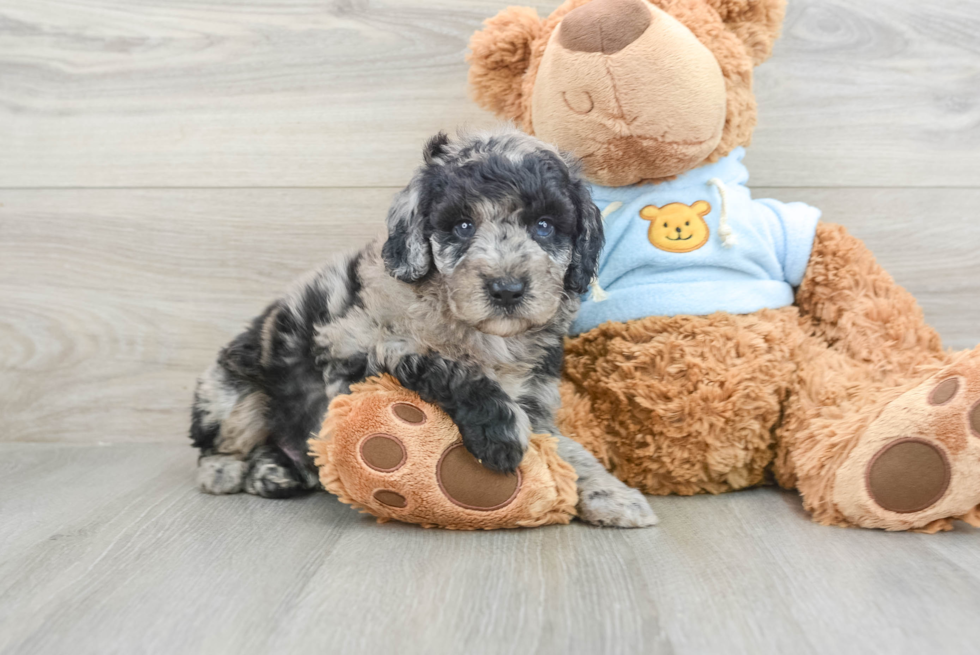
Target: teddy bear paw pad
point(908, 475)
point(390, 498)
point(467, 483)
point(918, 463)
point(383, 452)
point(409, 413)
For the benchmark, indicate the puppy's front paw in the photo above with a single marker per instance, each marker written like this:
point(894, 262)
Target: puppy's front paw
point(615, 506)
point(495, 440)
point(494, 429)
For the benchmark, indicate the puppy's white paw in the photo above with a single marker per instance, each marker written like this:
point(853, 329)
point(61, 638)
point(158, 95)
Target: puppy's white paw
point(221, 474)
point(615, 507)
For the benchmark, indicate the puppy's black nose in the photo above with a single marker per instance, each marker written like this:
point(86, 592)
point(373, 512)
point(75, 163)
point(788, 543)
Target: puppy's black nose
point(678, 230)
point(506, 290)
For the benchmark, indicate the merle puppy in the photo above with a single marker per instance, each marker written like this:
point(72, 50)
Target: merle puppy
point(465, 303)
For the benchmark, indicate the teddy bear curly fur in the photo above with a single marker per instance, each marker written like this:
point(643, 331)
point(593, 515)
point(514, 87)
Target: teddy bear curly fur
point(846, 394)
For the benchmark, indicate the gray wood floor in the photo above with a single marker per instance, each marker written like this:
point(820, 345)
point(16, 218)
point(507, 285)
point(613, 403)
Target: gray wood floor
point(110, 549)
point(166, 167)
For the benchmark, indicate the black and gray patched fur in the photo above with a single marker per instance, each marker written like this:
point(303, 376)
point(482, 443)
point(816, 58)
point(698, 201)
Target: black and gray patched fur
point(466, 303)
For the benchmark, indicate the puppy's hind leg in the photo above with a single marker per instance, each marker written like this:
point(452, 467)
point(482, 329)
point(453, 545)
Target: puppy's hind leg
point(228, 422)
point(221, 474)
point(246, 457)
point(603, 499)
point(272, 474)
point(280, 466)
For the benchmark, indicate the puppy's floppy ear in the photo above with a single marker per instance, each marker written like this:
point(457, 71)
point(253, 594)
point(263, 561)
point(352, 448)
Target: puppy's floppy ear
point(588, 240)
point(499, 56)
point(435, 148)
point(407, 254)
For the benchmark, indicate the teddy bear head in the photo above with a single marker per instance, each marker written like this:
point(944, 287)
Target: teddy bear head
point(640, 90)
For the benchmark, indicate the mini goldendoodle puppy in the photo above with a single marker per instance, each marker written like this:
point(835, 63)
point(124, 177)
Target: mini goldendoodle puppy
point(466, 303)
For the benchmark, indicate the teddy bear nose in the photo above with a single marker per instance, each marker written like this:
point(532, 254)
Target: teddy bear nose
point(605, 26)
point(678, 230)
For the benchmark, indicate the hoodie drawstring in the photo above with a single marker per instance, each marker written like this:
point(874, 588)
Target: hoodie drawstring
point(728, 238)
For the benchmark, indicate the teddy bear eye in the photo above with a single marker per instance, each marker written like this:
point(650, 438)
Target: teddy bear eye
point(665, 225)
point(687, 223)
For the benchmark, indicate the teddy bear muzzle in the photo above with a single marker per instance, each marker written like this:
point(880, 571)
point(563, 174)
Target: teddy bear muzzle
point(605, 26)
point(630, 90)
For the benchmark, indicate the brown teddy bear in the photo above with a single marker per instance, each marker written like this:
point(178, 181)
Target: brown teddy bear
point(728, 341)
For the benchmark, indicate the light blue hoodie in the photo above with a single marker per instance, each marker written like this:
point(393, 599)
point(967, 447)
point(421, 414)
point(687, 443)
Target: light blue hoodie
point(668, 263)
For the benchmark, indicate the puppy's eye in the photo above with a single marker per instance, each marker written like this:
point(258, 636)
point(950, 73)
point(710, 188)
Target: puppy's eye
point(665, 225)
point(687, 223)
point(464, 229)
point(544, 229)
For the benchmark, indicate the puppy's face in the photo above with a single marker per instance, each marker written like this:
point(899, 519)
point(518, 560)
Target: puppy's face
point(501, 224)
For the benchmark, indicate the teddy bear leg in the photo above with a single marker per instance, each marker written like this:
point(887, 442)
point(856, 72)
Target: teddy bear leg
point(826, 388)
point(908, 459)
point(681, 405)
point(851, 303)
point(577, 419)
point(603, 498)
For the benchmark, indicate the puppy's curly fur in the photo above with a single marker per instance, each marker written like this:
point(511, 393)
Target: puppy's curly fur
point(466, 303)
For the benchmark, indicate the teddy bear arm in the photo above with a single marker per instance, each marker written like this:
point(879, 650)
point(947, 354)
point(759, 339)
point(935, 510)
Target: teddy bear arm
point(851, 303)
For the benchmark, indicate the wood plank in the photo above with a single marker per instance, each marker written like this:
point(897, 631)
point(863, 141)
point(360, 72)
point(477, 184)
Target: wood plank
point(221, 93)
point(115, 300)
point(866, 93)
point(244, 93)
point(124, 555)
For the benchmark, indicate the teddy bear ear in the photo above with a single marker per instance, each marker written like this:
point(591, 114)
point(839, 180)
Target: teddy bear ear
point(755, 22)
point(500, 54)
point(650, 212)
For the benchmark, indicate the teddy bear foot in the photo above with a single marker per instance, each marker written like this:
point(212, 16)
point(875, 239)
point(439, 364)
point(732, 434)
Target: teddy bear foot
point(917, 466)
point(388, 453)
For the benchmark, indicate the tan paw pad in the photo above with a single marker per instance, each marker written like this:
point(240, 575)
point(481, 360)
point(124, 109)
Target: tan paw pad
point(908, 475)
point(383, 452)
point(408, 413)
point(944, 392)
point(390, 498)
point(467, 483)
